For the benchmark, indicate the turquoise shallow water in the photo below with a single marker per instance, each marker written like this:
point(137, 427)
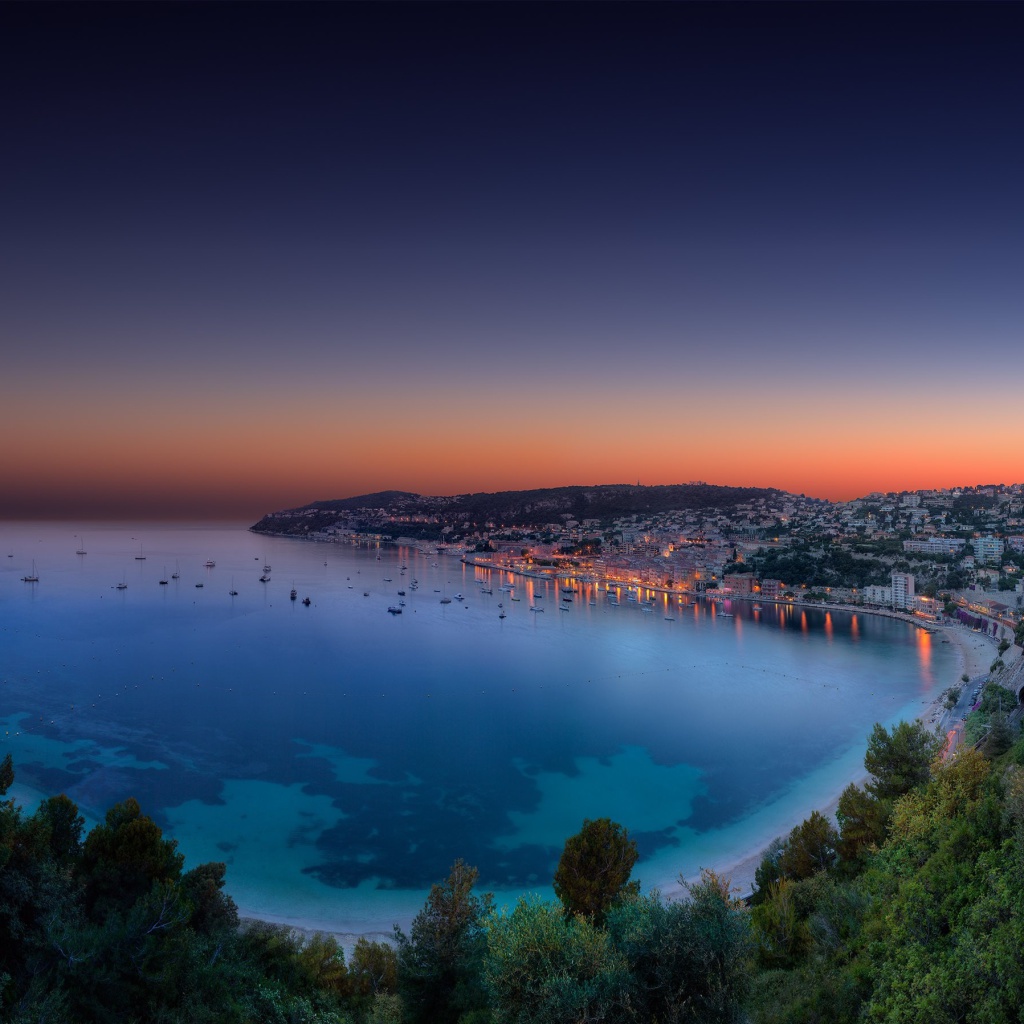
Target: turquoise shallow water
point(339, 758)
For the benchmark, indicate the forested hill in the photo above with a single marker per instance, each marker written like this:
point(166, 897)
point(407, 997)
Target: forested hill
point(538, 506)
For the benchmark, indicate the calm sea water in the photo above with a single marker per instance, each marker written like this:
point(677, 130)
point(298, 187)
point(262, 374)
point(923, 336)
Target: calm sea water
point(338, 758)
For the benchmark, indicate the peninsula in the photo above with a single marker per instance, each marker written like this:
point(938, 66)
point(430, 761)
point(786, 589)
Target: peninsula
point(936, 554)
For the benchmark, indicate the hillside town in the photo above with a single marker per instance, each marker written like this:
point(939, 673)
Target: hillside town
point(954, 552)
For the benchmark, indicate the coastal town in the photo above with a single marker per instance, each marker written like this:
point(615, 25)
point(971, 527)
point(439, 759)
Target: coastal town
point(951, 553)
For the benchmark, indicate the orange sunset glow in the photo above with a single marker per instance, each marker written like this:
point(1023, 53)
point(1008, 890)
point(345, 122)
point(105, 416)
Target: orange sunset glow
point(295, 281)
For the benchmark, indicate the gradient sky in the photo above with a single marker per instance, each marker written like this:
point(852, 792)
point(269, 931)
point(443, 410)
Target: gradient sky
point(253, 256)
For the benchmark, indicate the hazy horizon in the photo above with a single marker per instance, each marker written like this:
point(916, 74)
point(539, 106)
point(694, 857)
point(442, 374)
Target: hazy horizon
point(258, 255)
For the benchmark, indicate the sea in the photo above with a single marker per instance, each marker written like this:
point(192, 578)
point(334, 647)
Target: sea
point(339, 750)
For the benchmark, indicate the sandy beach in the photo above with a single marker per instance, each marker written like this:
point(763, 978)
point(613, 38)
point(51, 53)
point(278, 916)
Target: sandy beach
point(976, 653)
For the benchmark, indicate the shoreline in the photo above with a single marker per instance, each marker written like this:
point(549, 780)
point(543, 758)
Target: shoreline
point(975, 652)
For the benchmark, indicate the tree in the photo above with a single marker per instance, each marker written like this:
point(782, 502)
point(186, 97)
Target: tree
point(124, 857)
point(594, 869)
point(213, 911)
point(767, 872)
point(61, 818)
point(686, 959)
point(439, 975)
point(6, 774)
point(373, 968)
point(811, 847)
point(901, 760)
point(545, 967)
point(862, 821)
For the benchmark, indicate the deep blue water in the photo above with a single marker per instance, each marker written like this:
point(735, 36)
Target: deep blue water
point(339, 758)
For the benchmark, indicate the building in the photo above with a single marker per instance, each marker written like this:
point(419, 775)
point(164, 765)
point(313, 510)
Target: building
point(935, 546)
point(988, 549)
point(738, 583)
point(902, 590)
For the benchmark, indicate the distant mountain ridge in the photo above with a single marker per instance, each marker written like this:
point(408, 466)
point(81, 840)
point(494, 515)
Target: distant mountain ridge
point(539, 505)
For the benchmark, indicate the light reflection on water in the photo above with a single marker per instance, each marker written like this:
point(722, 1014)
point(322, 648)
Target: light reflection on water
point(336, 756)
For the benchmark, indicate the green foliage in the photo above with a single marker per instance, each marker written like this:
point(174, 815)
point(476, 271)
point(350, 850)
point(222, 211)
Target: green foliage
point(386, 1008)
point(767, 872)
point(373, 969)
point(124, 857)
point(862, 820)
point(687, 960)
point(901, 760)
point(6, 774)
point(996, 699)
point(60, 817)
point(544, 967)
point(110, 930)
point(951, 697)
point(810, 847)
point(593, 871)
point(439, 963)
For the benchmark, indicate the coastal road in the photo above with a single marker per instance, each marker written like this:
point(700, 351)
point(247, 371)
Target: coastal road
point(951, 722)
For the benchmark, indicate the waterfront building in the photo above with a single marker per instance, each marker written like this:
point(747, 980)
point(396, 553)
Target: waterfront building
point(739, 583)
point(902, 590)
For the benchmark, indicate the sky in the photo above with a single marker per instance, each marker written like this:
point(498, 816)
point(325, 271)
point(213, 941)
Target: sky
point(253, 256)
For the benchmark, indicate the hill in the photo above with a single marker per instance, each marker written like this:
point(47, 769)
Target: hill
point(522, 508)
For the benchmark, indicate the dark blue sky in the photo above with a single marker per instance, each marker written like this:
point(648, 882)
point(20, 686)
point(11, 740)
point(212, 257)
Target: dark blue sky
point(369, 223)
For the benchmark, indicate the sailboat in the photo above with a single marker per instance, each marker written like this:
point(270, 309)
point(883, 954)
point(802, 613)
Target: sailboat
point(122, 585)
point(33, 578)
point(81, 546)
point(163, 582)
point(175, 574)
point(140, 557)
point(232, 591)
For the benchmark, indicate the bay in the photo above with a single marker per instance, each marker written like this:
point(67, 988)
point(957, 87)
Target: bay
point(338, 758)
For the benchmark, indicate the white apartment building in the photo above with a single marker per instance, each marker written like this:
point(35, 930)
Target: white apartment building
point(988, 549)
point(902, 590)
point(935, 546)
